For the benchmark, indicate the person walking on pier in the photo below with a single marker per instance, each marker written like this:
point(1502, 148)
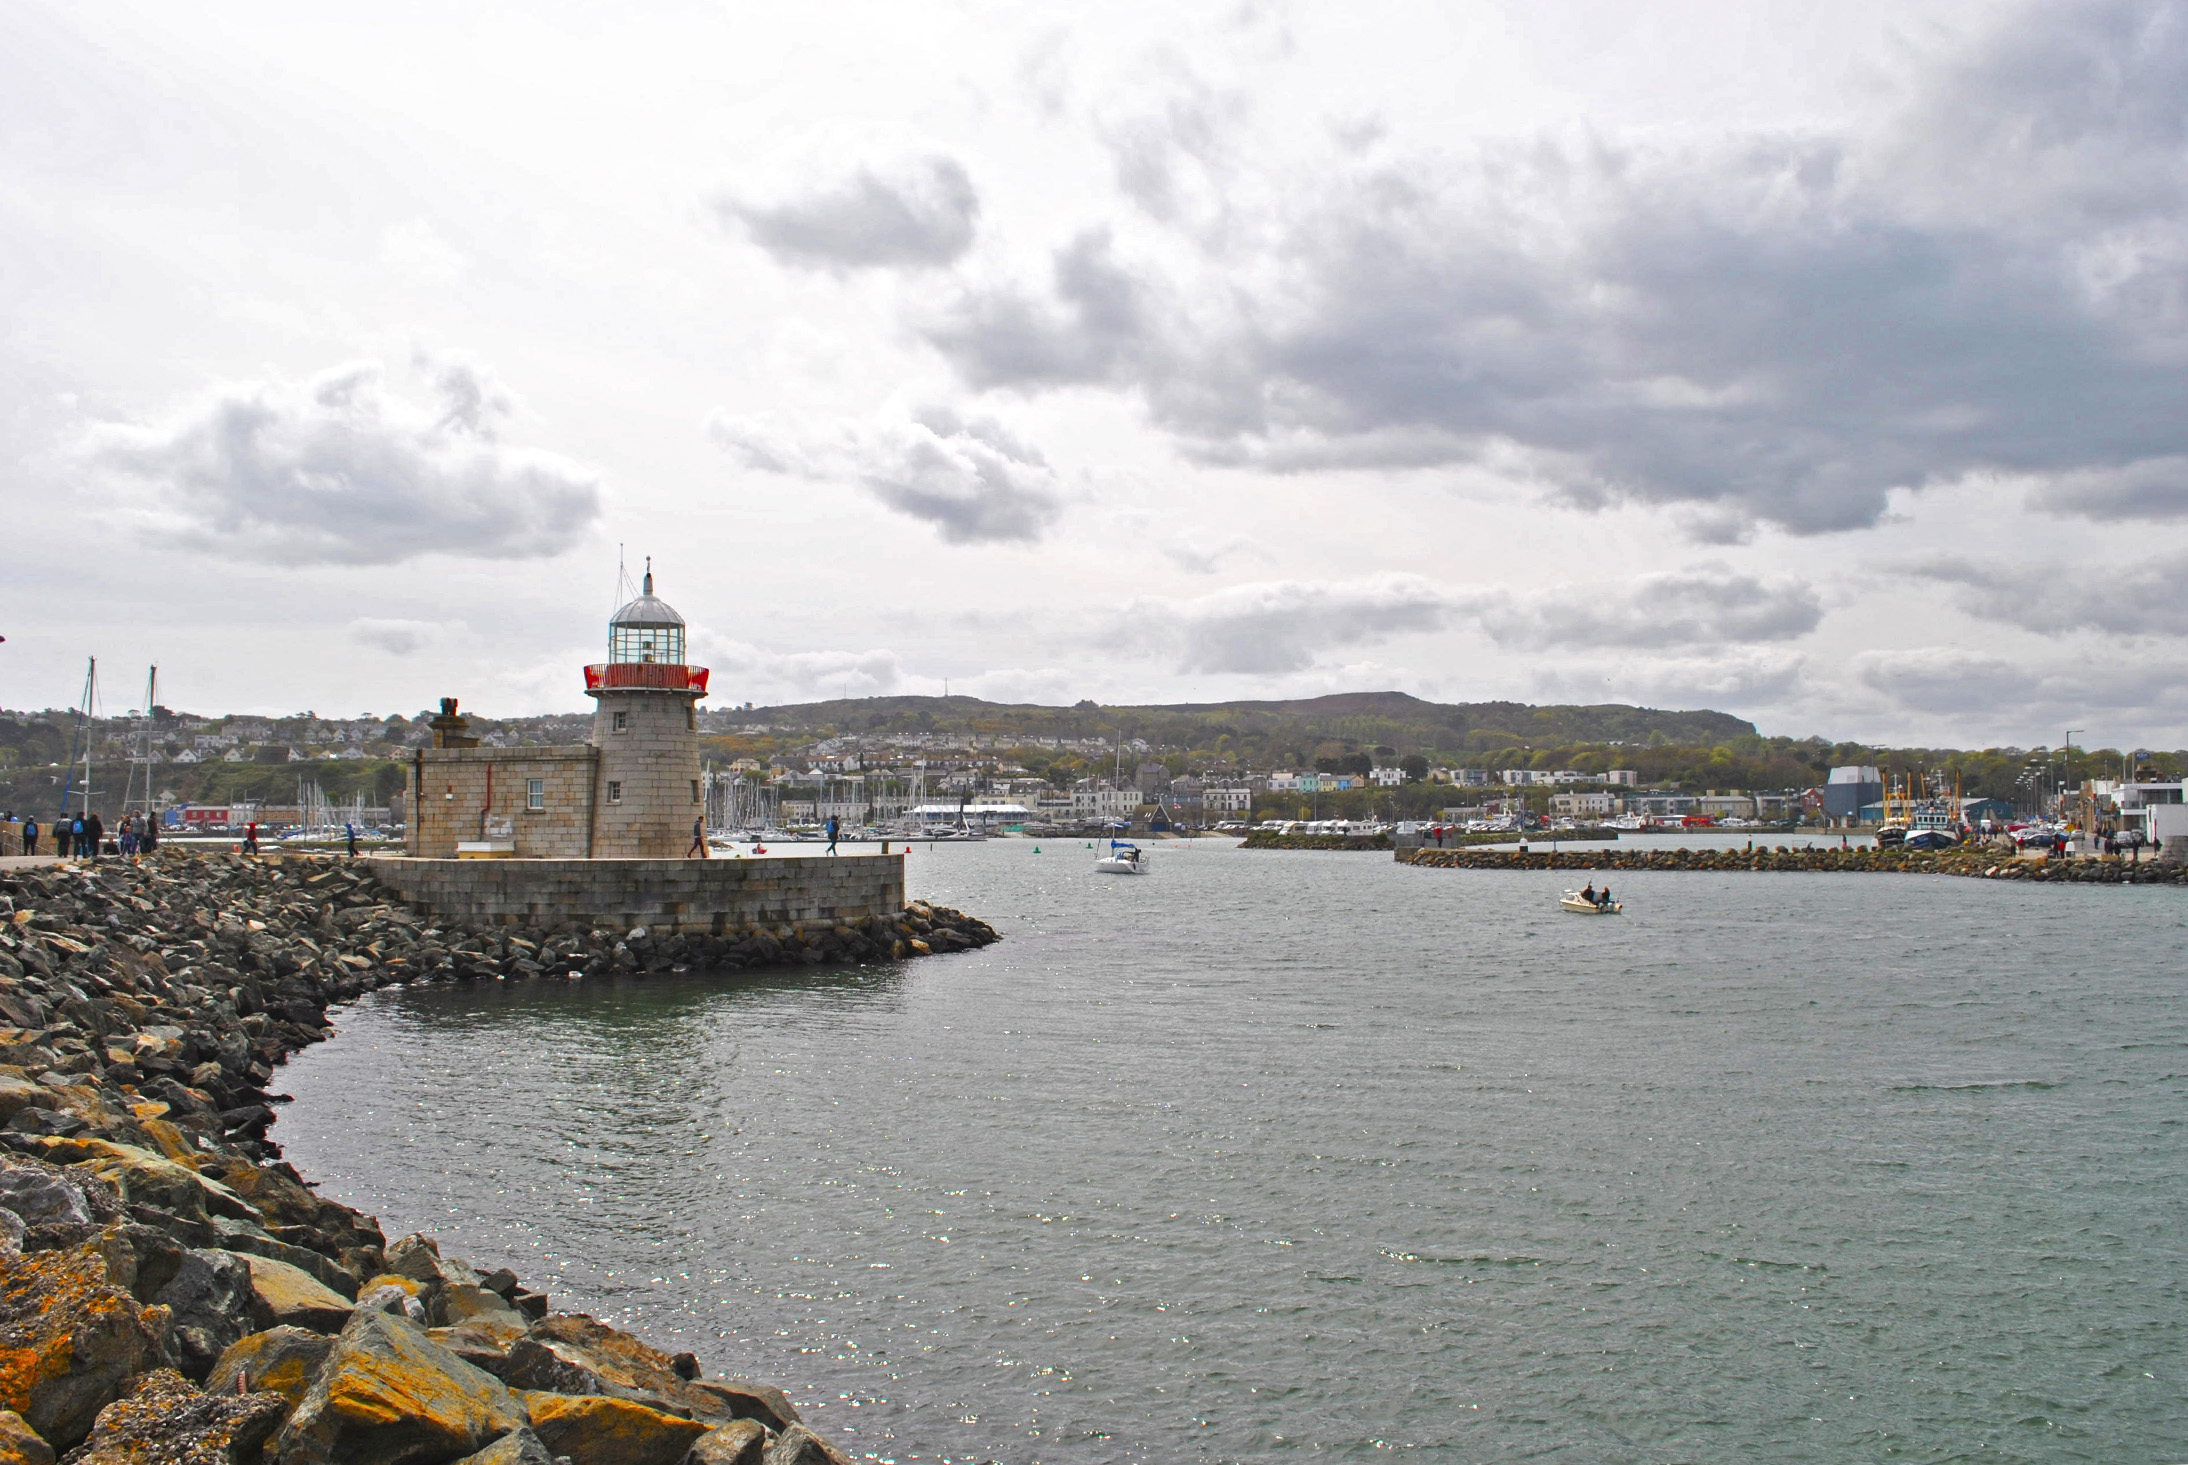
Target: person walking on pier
point(698, 839)
point(834, 827)
point(95, 828)
point(250, 838)
point(350, 830)
point(30, 835)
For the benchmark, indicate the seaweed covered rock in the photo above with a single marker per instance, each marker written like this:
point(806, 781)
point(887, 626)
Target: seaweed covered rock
point(165, 1418)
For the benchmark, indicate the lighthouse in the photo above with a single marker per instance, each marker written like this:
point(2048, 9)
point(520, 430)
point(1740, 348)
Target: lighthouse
point(646, 789)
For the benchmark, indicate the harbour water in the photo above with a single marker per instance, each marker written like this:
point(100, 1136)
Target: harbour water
point(1299, 1154)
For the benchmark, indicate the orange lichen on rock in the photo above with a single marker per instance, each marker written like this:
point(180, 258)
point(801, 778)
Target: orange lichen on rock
point(70, 1339)
point(596, 1430)
point(388, 1395)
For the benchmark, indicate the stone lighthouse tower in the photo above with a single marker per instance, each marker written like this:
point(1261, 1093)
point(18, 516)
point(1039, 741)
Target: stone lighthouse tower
point(646, 727)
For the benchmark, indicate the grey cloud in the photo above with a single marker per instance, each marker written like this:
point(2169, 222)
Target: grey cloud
point(396, 637)
point(1782, 328)
point(1704, 606)
point(336, 470)
point(1286, 625)
point(970, 479)
point(2123, 699)
point(1280, 626)
point(1944, 679)
point(1738, 683)
point(2138, 598)
point(1196, 558)
point(2152, 488)
point(919, 213)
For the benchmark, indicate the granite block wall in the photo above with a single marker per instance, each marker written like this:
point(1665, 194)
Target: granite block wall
point(449, 792)
point(648, 788)
point(711, 896)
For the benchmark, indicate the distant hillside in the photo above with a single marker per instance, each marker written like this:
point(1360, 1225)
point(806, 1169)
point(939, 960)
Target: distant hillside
point(1364, 719)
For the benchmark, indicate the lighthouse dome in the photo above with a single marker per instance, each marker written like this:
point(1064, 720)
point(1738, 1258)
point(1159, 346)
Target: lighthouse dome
point(646, 629)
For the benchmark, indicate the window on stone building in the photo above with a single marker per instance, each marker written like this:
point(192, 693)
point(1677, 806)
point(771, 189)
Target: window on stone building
point(615, 791)
point(695, 790)
point(535, 793)
point(618, 721)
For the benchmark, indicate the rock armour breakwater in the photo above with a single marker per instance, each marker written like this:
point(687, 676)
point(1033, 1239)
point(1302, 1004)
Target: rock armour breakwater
point(170, 1289)
point(1317, 841)
point(1975, 864)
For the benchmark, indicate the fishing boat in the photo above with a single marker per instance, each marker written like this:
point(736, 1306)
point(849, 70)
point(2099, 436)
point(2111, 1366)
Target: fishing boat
point(1123, 859)
point(1579, 904)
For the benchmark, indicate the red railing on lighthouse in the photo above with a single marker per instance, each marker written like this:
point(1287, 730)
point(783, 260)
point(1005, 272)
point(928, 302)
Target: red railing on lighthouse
point(645, 676)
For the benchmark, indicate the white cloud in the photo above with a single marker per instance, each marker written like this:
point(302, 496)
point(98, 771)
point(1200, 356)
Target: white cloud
point(337, 470)
point(742, 672)
point(415, 250)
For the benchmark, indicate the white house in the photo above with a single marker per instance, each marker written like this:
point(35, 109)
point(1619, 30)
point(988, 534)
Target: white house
point(1226, 798)
point(1579, 805)
point(1389, 777)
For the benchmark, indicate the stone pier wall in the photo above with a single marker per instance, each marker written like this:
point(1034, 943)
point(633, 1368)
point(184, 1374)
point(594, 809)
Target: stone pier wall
point(708, 896)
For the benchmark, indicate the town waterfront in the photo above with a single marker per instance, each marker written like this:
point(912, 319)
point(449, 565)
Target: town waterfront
point(1306, 1152)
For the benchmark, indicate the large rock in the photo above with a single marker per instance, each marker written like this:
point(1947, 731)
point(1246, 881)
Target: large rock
point(56, 1207)
point(798, 1445)
point(145, 1178)
point(744, 1400)
point(166, 1420)
point(242, 1236)
point(212, 1306)
point(69, 1339)
point(20, 1444)
point(595, 1430)
point(582, 1356)
point(285, 1296)
point(389, 1395)
point(281, 1361)
point(739, 1442)
point(460, 1302)
point(416, 1257)
point(484, 1342)
point(518, 1447)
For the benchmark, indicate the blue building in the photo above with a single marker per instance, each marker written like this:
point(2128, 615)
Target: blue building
point(1849, 791)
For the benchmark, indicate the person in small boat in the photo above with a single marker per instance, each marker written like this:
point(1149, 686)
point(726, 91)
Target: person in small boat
point(1603, 896)
point(1588, 895)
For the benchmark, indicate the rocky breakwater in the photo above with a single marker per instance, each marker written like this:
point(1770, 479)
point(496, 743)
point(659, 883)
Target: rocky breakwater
point(1974, 863)
point(1271, 840)
point(171, 1290)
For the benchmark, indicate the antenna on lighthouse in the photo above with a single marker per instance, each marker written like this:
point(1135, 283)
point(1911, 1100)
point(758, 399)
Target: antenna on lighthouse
point(649, 575)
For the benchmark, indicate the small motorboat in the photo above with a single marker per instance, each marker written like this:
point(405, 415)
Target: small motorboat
point(1122, 859)
point(1580, 904)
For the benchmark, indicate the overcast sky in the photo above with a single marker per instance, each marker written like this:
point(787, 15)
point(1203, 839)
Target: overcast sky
point(1822, 363)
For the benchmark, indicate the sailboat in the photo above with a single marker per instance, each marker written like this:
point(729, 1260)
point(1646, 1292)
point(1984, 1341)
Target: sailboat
point(1124, 858)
